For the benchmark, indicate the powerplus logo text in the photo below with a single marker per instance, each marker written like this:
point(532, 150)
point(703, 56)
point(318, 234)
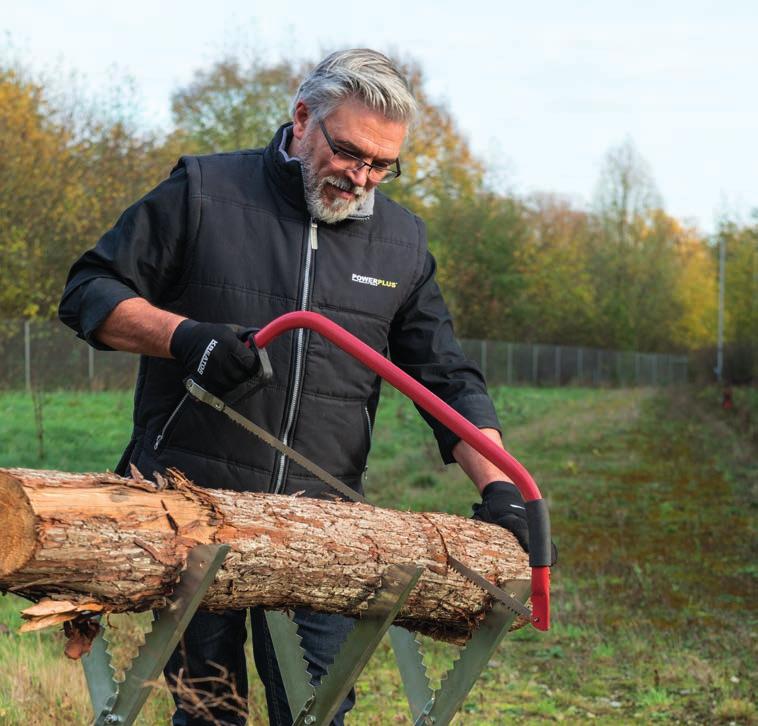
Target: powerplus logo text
point(373, 281)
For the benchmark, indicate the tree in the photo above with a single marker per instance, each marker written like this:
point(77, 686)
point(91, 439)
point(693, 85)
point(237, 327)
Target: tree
point(557, 300)
point(695, 292)
point(476, 242)
point(631, 256)
point(625, 192)
point(40, 196)
point(234, 105)
point(741, 290)
point(741, 295)
point(65, 174)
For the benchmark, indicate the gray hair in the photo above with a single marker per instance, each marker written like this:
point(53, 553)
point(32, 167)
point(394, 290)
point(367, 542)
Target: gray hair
point(358, 73)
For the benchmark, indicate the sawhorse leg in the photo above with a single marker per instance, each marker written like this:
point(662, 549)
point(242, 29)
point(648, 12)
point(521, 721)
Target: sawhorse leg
point(316, 706)
point(119, 702)
point(438, 707)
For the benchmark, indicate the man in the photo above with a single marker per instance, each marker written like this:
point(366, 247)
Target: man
point(239, 239)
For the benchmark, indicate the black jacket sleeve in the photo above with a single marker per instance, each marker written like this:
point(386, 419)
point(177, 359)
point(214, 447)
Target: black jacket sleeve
point(423, 344)
point(142, 255)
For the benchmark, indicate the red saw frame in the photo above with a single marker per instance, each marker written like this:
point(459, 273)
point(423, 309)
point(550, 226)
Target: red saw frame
point(446, 415)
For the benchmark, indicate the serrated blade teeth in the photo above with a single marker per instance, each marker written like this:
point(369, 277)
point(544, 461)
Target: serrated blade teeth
point(106, 629)
point(123, 653)
point(421, 652)
point(290, 655)
point(294, 630)
point(453, 659)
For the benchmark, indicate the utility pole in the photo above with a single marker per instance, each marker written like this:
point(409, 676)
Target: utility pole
point(719, 369)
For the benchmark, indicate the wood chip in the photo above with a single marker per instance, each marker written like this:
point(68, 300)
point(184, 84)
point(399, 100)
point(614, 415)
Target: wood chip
point(45, 622)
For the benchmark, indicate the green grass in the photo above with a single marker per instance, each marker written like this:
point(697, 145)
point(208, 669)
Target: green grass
point(652, 497)
point(80, 431)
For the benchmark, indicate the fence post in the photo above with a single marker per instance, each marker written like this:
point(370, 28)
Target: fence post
point(557, 365)
point(580, 363)
point(535, 362)
point(509, 348)
point(91, 365)
point(27, 355)
point(655, 369)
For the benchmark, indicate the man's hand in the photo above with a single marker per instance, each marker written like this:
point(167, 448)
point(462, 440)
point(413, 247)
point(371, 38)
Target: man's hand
point(214, 355)
point(503, 505)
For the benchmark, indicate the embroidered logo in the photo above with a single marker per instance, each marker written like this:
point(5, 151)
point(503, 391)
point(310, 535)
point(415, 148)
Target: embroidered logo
point(206, 355)
point(373, 281)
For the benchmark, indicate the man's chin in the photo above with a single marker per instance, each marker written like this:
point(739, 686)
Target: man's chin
point(329, 203)
point(333, 210)
point(331, 213)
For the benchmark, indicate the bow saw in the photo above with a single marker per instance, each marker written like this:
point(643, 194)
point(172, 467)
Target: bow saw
point(538, 520)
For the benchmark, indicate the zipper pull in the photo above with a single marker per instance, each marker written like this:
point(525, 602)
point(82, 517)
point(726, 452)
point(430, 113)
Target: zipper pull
point(314, 235)
point(157, 443)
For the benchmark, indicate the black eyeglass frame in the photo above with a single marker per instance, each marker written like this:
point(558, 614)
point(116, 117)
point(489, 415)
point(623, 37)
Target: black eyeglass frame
point(388, 173)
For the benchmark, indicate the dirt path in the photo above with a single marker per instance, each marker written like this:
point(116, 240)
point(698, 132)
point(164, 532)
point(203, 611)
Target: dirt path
point(582, 421)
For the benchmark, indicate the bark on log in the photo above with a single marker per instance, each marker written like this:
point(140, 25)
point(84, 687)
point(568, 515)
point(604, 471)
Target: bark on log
point(102, 543)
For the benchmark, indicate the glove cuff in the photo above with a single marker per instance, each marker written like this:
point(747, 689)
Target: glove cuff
point(181, 334)
point(500, 487)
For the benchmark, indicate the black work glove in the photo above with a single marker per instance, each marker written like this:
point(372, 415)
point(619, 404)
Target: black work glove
point(214, 355)
point(502, 504)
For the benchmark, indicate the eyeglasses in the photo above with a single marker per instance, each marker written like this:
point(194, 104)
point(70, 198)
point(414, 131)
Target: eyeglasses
point(379, 173)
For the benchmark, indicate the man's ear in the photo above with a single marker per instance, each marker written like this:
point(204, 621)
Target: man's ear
point(300, 120)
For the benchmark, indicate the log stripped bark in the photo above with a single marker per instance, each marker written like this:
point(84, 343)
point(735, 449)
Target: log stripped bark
point(102, 543)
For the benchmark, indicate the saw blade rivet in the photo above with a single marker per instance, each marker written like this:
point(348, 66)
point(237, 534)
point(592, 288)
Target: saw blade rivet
point(112, 718)
point(309, 719)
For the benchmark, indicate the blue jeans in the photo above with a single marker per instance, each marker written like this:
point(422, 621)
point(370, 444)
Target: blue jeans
point(211, 658)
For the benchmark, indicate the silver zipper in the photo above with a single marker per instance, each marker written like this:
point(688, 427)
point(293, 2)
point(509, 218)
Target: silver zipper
point(299, 354)
point(173, 415)
point(370, 433)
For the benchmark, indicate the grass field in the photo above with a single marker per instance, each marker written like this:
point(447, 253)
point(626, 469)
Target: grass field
point(652, 496)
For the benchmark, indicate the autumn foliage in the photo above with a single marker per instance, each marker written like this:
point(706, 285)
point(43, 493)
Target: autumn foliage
point(622, 274)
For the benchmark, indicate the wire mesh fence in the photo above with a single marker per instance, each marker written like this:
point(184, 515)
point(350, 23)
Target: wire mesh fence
point(559, 365)
point(46, 355)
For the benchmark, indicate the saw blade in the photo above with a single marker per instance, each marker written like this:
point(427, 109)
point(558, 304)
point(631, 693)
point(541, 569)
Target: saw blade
point(100, 672)
point(511, 602)
point(292, 660)
point(410, 660)
point(383, 606)
point(199, 393)
point(456, 684)
point(129, 646)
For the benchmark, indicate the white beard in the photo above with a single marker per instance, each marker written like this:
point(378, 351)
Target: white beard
point(329, 211)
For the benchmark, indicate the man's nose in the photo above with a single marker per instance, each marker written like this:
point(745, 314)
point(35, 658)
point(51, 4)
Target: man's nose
point(359, 177)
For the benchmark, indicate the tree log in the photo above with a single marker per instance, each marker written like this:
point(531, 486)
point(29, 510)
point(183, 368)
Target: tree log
point(101, 543)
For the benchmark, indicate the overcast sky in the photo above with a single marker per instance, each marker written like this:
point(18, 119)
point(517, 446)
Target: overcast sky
point(542, 89)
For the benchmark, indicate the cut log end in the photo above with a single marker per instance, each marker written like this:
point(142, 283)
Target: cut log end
point(17, 525)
